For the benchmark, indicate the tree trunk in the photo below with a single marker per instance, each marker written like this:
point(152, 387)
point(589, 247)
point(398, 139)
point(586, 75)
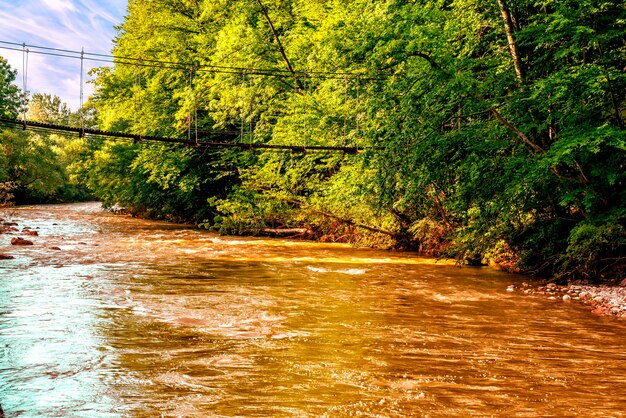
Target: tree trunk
point(508, 28)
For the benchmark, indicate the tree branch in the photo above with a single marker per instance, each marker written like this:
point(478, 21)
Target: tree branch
point(332, 216)
point(280, 45)
point(517, 132)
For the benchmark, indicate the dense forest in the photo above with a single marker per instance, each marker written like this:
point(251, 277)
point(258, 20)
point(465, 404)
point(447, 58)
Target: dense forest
point(487, 131)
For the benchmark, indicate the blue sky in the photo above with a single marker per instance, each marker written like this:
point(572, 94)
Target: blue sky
point(64, 24)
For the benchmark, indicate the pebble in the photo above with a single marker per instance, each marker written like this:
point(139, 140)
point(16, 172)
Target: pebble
point(567, 298)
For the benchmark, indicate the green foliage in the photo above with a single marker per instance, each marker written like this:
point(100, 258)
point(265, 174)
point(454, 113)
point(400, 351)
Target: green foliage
point(11, 101)
point(48, 109)
point(523, 182)
point(466, 157)
point(33, 165)
point(248, 212)
point(595, 252)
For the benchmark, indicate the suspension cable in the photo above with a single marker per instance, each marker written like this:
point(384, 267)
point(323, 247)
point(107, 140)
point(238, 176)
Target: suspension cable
point(243, 80)
point(136, 87)
point(358, 109)
point(189, 113)
point(345, 109)
point(25, 52)
point(195, 104)
point(250, 131)
point(306, 102)
point(155, 63)
point(81, 110)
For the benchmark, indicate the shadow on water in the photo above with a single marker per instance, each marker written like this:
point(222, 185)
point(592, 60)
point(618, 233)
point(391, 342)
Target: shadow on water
point(138, 318)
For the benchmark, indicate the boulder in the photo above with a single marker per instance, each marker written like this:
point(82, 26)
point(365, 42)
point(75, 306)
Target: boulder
point(20, 241)
point(6, 257)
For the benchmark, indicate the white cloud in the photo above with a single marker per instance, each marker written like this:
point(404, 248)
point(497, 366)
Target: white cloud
point(62, 24)
point(59, 5)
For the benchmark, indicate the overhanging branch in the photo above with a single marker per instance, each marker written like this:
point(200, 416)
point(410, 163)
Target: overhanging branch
point(280, 45)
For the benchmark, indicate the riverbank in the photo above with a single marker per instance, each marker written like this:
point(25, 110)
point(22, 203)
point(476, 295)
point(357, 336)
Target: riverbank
point(602, 300)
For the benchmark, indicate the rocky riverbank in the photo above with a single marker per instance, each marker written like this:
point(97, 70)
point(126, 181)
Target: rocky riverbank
point(12, 228)
point(601, 299)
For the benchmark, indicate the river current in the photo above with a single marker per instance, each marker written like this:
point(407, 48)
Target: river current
point(134, 318)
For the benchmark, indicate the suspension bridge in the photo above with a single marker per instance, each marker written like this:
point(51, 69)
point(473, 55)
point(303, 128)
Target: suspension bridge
point(225, 142)
point(206, 139)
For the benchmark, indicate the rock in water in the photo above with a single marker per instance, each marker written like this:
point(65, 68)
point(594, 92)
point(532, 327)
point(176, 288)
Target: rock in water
point(6, 257)
point(20, 241)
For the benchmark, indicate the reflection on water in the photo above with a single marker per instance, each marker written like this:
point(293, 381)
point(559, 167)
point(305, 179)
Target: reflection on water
point(140, 319)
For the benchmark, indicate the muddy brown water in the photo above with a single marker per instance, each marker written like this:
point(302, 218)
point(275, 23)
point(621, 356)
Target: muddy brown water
point(133, 318)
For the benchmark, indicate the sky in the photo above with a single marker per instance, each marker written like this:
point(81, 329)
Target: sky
point(62, 24)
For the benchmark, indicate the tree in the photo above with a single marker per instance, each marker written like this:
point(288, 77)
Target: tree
point(49, 109)
point(10, 97)
point(32, 164)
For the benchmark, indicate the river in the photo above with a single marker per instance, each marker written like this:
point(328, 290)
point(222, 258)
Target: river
point(135, 318)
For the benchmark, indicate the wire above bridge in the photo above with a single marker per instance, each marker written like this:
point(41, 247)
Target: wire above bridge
point(177, 65)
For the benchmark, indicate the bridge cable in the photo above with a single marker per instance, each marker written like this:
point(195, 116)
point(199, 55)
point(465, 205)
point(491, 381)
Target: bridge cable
point(189, 112)
point(81, 110)
point(358, 112)
point(136, 96)
point(155, 63)
point(250, 108)
point(25, 52)
point(195, 111)
point(306, 108)
point(345, 109)
point(241, 114)
point(193, 107)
